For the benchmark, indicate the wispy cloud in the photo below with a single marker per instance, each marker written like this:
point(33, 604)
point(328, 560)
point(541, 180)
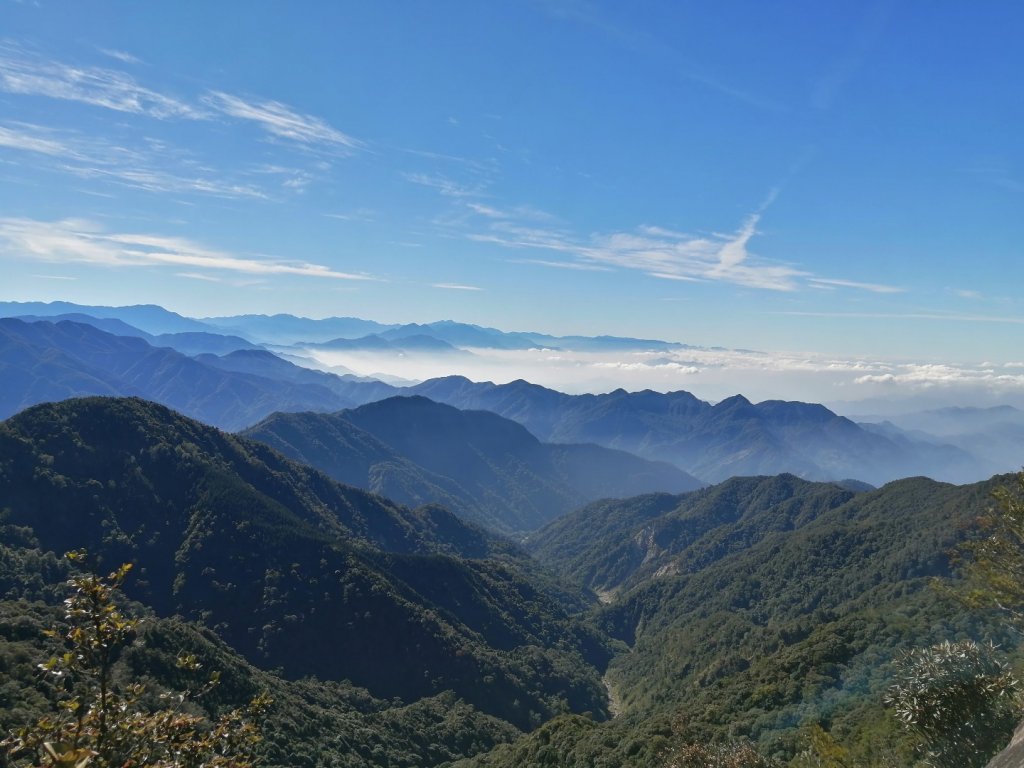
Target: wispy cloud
point(359, 214)
point(658, 252)
point(873, 287)
point(157, 180)
point(479, 166)
point(282, 121)
point(517, 213)
point(83, 241)
point(862, 39)
point(294, 179)
point(455, 287)
point(966, 294)
point(27, 73)
point(54, 277)
point(648, 45)
point(237, 282)
point(576, 265)
point(942, 316)
point(92, 158)
point(27, 138)
point(23, 72)
point(998, 172)
point(443, 184)
point(122, 56)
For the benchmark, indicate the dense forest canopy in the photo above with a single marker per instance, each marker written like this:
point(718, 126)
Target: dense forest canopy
point(765, 615)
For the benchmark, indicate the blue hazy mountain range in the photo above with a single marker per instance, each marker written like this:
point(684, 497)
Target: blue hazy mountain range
point(995, 435)
point(51, 361)
point(486, 468)
point(284, 330)
point(188, 342)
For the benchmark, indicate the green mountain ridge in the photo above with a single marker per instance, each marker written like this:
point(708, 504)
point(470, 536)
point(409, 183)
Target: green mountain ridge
point(293, 570)
point(630, 541)
point(771, 603)
point(486, 468)
point(312, 723)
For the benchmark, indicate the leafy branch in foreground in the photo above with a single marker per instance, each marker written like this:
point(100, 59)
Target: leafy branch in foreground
point(995, 561)
point(959, 699)
point(100, 723)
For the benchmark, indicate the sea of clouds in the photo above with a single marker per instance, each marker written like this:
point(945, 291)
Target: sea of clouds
point(848, 385)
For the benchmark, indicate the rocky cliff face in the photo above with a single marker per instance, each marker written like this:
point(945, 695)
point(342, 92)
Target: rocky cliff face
point(1013, 755)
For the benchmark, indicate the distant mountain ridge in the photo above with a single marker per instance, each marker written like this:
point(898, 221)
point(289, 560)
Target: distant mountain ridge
point(995, 434)
point(285, 330)
point(146, 317)
point(487, 468)
point(711, 442)
point(416, 342)
point(186, 342)
point(45, 361)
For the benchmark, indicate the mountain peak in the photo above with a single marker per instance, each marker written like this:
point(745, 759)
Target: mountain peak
point(733, 402)
point(252, 354)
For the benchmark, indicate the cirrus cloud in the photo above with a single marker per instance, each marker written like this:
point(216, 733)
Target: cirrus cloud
point(81, 241)
point(661, 253)
point(22, 72)
point(456, 287)
point(282, 121)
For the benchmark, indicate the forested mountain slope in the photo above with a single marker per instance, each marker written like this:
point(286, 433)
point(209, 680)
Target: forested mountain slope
point(769, 605)
point(751, 610)
point(311, 723)
point(766, 604)
point(292, 569)
point(486, 468)
point(614, 545)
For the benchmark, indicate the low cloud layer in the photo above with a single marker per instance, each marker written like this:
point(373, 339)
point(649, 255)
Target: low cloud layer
point(711, 374)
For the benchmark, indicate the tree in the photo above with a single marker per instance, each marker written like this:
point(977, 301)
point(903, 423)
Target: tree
point(718, 756)
point(994, 566)
point(959, 699)
point(103, 724)
point(822, 751)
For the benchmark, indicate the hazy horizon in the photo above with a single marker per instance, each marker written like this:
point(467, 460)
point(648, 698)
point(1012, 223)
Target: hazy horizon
point(837, 185)
point(856, 386)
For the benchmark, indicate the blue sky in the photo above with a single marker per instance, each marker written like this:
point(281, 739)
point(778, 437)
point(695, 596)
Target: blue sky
point(841, 178)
